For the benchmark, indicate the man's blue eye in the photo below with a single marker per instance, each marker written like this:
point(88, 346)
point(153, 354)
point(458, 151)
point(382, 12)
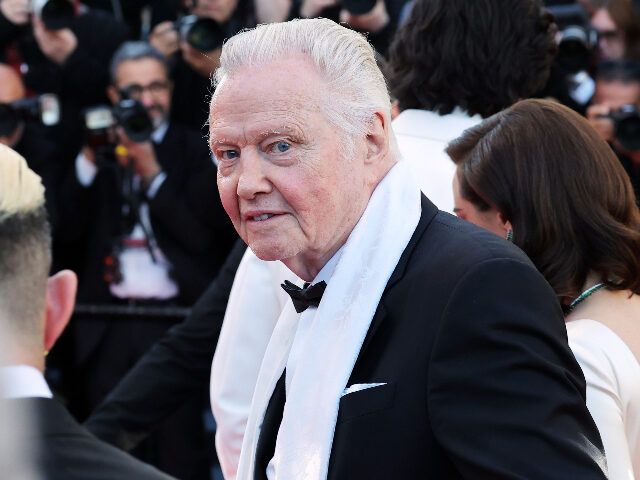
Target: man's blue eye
point(230, 154)
point(282, 147)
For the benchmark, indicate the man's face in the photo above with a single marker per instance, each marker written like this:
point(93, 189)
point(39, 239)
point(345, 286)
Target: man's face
point(11, 89)
point(611, 43)
point(282, 175)
point(617, 94)
point(145, 80)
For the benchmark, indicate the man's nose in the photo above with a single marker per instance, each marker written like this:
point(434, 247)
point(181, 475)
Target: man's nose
point(252, 179)
point(146, 98)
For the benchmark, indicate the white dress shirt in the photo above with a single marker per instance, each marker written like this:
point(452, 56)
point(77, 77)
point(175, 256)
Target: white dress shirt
point(23, 381)
point(422, 137)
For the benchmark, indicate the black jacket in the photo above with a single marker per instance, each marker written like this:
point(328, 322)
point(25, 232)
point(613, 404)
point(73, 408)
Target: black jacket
point(187, 217)
point(480, 381)
point(66, 451)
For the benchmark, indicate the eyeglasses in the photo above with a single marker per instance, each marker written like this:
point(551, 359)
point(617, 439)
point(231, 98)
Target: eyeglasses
point(608, 35)
point(135, 91)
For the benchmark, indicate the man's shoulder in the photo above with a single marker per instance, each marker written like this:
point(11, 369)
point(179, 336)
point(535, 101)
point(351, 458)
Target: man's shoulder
point(448, 238)
point(69, 451)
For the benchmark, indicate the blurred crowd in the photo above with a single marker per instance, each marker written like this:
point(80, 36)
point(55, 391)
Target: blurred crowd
point(108, 103)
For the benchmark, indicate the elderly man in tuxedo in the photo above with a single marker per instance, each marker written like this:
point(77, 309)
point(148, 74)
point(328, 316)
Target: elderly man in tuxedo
point(34, 310)
point(419, 346)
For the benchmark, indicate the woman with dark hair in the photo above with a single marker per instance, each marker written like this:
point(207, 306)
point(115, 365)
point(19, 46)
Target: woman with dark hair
point(540, 175)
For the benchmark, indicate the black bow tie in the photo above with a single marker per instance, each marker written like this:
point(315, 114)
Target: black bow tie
point(305, 297)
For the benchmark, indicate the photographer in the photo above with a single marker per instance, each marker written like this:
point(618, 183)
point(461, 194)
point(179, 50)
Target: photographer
point(194, 62)
point(155, 235)
point(614, 112)
point(69, 61)
point(378, 18)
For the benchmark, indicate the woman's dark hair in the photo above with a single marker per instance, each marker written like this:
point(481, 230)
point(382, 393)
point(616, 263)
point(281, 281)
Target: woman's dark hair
point(479, 55)
point(570, 202)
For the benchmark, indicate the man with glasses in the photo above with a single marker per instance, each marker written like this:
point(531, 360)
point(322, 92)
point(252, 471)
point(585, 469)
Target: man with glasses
point(154, 231)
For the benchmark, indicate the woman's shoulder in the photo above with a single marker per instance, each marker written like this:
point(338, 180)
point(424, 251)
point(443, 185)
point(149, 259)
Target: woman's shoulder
point(604, 357)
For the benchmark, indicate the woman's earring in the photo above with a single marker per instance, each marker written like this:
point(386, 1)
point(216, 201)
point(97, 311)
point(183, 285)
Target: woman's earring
point(510, 235)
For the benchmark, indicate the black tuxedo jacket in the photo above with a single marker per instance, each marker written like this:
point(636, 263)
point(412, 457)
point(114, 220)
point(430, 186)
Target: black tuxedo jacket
point(66, 451)
point(480, 382)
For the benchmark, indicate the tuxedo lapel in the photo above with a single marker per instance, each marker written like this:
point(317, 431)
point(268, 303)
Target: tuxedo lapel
point(429, 211)
point(269, 430)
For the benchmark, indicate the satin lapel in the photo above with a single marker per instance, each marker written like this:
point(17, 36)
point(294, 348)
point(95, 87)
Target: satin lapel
point(429, 211)
point(269, 429)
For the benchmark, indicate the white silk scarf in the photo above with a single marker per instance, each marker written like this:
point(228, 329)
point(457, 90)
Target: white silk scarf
point(337, 332)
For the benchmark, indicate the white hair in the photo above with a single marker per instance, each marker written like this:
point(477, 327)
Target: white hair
point(21, 190)
point(356, 87)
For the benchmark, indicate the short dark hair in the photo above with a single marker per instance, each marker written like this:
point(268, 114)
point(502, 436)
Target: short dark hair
point(570, 202)
point(25, 246)
point(135, 51)
point(479, 55)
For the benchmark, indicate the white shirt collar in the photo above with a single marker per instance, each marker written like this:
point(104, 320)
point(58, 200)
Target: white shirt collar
point(428, 124)
point(158, 134)
point(326, 271)
point(22, 381)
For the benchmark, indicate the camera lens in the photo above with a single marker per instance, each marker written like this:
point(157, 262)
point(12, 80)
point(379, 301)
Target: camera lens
point(627, 131)
point(205, 35)
point(134, 119)
point(574, 49)
point(57, 14)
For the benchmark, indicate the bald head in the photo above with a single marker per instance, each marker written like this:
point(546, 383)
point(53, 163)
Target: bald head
point(25, 256)
point(11, 87)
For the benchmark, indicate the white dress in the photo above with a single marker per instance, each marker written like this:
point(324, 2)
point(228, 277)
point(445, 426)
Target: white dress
point(612, 373)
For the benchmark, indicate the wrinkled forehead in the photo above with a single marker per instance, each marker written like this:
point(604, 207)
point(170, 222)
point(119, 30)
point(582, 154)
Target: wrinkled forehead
point(283, 90)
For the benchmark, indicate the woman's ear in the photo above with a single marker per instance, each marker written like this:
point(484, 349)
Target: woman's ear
point(506, 224)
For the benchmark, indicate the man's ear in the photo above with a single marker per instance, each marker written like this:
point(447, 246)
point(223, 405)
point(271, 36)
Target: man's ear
point(377, 139)
point(60, 299)
point(113, 94)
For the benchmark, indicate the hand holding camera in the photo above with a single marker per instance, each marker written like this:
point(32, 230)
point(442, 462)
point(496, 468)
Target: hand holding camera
point(165, 38)
point(56, 45)
point(621, 126)
point(365, 15)
point(121, 134)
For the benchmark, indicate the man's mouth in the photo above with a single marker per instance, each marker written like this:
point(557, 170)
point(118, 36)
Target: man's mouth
point(261, 218)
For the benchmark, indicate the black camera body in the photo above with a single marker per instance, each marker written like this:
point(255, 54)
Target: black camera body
point(578, 39)
point(358, 7)
point(203, 34)
point(44, 109)
point(55, 14)
point(101, 121)
point(627, 127)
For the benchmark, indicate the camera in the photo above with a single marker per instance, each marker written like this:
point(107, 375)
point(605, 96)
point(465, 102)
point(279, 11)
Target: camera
point(100, 123)
point(44, 109)
point(578, 39)
point(55, 14)
point(358, 7)
point(626, 122)
point(203, 34)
